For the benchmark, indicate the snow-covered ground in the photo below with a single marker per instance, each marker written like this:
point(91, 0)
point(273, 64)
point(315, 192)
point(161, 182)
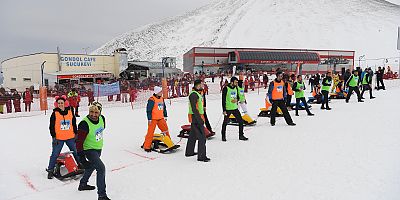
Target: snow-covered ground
point(351, 152)
point(367, 26)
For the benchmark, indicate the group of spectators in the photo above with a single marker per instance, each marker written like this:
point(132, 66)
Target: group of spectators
point(13, 98)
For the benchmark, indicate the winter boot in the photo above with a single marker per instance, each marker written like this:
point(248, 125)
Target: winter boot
point(202, 160)
point(50, 174)
point(310, 114)
point(291, 124)
point(242, 137)
point(104, 198)
point(224, 137)
point(86, 187)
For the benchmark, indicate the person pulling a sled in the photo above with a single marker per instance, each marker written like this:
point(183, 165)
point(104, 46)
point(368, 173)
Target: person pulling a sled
point(89, 145)
point(62, 130)
point(299, 87)
point(196, 116)
point(230, 98)
point(276, 94)
point(157, 116)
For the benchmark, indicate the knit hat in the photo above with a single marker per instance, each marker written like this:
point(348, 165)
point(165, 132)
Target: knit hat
point(157, 89)
point(96, 106)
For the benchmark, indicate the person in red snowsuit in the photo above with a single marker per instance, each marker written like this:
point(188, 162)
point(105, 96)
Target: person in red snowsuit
point(74, 99)
point(28, 99)
point(90, 95)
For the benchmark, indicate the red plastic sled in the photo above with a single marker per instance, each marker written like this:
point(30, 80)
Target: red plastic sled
point(184, 133)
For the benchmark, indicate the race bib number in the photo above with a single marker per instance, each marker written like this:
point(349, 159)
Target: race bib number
point(65, 125)
point(279, 88)
point(99, 134)
point(233, 95)
point(160, 106)
point(241, 92)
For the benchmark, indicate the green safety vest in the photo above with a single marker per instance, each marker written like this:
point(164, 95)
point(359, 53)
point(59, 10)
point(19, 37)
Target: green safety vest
point(230, 95)
point(242, 98)
point(94, 139)
point(326, 87)
point(364, 81)
point(200, 106)
point(299, 94)
point(354, 81)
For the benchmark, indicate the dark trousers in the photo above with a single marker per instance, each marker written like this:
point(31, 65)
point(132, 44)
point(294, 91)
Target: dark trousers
point(196, 133)
point(355, 89)
point(303, 100)
point(57, 147)
point(380, 80)
point(208, 125)
point(27, 106)
point(366, 87)
point(239, 119)
point(281, 104)
point(95, 163)
point(326, 100)
point(288, 100)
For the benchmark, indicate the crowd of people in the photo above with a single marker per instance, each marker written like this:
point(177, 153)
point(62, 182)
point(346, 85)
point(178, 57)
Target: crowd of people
point(85, 140)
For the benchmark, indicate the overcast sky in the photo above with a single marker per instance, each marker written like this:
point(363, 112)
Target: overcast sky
point(29, 26)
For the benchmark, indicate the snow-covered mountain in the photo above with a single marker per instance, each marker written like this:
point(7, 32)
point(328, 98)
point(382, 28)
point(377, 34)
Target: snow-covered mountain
point(367, 26)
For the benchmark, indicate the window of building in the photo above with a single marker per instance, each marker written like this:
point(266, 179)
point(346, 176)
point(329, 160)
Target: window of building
point(27, 79)
point(13, 79)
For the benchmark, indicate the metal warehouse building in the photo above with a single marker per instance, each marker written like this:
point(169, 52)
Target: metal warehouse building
point(212, 60)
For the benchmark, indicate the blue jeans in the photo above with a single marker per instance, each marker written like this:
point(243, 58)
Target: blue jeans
point(93, 156)
point(57, 147)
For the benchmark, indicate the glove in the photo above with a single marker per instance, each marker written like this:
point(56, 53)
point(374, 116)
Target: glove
point(83, 161)
point(54, 141)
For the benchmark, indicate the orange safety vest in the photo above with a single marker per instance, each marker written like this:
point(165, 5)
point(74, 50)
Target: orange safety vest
point(289, 89)
point(63, 126)
point(277, 92)
point(158, 108)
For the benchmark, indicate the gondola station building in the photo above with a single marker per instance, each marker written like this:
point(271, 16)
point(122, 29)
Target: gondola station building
point(30, 70)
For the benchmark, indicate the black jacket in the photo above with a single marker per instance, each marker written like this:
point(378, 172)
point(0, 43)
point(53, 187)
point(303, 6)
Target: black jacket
point(53, 121)
point(224, 92)
point(329, 79)
point(295, 86)
point(196, 118)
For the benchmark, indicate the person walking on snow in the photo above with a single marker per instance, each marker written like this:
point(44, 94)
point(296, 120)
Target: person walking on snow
point(230, 97)
point(74, 99)
point(367, 83)
point(353, 82)
point(299, 88)
point(62, 130)
point(276, 95)
point(206, 121)
point(326, 87)
point(90, 145)
point(156, 116)
point(196, 116)
point(28, 99)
